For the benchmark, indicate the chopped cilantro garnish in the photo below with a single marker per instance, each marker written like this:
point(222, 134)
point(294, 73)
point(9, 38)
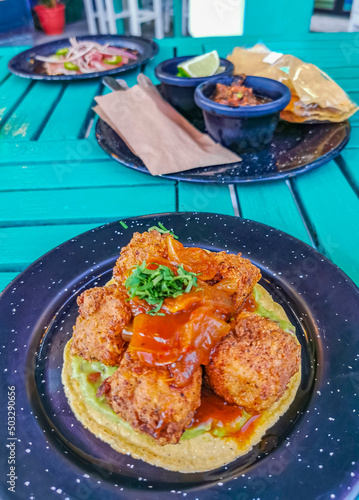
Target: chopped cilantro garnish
point(123, 224)
point(155, 285)
point(161, 229)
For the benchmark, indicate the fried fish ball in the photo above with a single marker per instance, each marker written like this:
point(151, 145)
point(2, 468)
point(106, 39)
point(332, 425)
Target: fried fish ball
point(141, 247)
point(144, 397)
point(238, 269)
point(254, 363)
point(103, 312)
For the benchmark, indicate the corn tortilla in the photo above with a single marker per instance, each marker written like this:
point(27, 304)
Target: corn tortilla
point(199, 454)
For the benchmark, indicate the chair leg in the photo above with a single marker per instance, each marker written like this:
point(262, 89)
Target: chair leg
point(102, 18)
point(135, 26)
point(110, 13)
point(90, 17)
point(157, 7)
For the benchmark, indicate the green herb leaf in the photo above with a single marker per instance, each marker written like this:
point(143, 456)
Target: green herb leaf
point(161, 229)
point(123, 224)
point(155, 285)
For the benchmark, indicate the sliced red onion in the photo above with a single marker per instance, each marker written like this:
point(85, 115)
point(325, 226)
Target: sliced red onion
point(87, 55)
point(115, 51)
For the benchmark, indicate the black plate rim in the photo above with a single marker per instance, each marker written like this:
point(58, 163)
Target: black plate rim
point(184, 214)
point(332, 266)
point(186, 177)
point(152, 45)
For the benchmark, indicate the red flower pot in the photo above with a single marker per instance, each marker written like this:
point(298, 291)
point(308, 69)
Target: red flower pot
point(52, 19)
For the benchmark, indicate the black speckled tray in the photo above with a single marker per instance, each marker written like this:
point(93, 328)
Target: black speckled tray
point(295, 149)
point(22, 64)
point(311, 452)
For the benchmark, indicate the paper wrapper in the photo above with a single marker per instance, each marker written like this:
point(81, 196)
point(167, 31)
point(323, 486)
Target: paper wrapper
point(315, 96)
point(153, 130)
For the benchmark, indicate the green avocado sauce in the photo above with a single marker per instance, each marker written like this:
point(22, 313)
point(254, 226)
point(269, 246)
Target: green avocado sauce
point(81, 369)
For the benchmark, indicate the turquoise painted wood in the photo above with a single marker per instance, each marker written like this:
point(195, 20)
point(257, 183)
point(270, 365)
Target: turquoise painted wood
point(30, 114)
point(199, 198)
point(6, 278)
point(55, 181)
point(67, 119)
point(333, 208)
point(16, 255)
point(71, 175)
point(11, 92)
point(83, 205)
point(50, 152)
point(265, 203)
point(350, 166)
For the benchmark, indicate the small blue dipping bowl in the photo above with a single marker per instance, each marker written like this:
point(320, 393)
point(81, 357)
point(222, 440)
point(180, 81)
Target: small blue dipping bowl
point(244, 127)
point(178, 90)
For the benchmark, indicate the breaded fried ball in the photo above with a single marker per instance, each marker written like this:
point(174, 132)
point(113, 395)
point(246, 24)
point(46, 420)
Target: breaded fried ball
point(144, 397)
point(254, 363)
point(230, 266)
point(103, 312)
point(141, 247)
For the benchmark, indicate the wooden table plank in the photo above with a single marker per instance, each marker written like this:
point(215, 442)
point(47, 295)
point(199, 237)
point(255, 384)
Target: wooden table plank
point(83, 205)
point(272, 203)
point(19, 246)
point(30, 114)
point(348, 84)
point(163, 54)
point(11, 92)
point(214, 198)
point(51, 152)
point(67, 120)
point(350, 166)
point(73, 174)
point(5, 279)
point(6, 53)
point(354, 137)
point(333, 209)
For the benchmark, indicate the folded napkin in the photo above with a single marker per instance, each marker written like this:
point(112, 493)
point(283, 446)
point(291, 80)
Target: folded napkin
point(164, 140)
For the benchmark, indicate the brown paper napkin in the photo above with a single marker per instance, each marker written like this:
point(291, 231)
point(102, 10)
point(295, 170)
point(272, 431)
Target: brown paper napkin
point(153, 130)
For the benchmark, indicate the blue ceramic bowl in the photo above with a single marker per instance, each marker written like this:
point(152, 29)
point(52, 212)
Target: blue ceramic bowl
point(178, 90)
point(245, 127)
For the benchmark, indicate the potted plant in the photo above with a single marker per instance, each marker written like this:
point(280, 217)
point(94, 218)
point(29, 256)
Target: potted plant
point(51, 14)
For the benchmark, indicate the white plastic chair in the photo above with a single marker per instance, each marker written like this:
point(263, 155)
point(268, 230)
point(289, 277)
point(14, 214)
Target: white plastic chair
point(101, 16)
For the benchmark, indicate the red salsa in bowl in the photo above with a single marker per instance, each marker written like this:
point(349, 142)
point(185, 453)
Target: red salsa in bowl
point(242, 113)
point(237, 94)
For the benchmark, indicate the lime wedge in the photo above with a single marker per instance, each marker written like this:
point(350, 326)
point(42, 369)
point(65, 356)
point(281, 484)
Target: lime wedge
point(204, 65)
point(220, 70)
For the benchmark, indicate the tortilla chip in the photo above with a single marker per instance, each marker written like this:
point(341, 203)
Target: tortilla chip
point(315, 96)
point(199, 454)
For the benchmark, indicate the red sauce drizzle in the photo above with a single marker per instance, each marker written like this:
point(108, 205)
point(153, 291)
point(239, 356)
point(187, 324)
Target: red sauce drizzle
point(219, 413)
point(250, 305)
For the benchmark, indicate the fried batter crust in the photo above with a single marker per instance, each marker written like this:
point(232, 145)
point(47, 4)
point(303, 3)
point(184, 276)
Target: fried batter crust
point(141, 247)
point(144, 397)
point(254, 363)
point(103, 312)
point(235, 267)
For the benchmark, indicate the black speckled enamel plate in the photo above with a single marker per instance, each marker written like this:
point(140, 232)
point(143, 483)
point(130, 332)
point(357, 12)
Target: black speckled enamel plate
point(22, 65)
point(295, 149)
point(312, 451)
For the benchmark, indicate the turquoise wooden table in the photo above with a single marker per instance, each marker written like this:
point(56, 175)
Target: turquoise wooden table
point(56, 182)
